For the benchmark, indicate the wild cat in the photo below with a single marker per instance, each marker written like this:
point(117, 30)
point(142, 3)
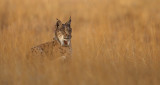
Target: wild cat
point(60, 47)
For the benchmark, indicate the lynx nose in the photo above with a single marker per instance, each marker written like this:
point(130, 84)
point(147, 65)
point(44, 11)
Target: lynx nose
point(67, 36)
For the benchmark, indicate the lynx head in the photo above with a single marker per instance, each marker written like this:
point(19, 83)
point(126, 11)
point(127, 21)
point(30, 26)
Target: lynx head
point(63, 32)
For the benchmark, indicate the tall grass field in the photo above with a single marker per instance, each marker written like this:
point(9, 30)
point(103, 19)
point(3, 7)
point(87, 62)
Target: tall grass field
point(114, 42)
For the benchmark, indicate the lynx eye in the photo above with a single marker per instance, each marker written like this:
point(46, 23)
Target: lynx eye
point(70, 30)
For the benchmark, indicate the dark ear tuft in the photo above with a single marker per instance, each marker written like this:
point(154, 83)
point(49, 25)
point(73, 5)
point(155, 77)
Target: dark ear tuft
point(58, 24)
point(69, 21)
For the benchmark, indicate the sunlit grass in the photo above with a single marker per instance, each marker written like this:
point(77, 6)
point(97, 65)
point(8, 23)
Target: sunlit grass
point(114, 42)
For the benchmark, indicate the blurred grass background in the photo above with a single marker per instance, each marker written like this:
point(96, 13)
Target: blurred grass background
point(115, 42)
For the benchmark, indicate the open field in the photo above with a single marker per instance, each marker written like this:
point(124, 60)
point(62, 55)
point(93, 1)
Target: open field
point(115, 42)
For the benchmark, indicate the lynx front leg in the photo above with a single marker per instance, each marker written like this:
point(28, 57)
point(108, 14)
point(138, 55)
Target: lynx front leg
point(63, 59)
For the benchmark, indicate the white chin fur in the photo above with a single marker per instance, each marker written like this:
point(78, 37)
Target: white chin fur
point(62, 40)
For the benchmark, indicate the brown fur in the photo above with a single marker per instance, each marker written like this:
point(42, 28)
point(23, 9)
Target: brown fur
point(54, 49)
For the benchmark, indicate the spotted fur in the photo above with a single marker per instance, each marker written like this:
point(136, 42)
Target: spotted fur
point(60, 47)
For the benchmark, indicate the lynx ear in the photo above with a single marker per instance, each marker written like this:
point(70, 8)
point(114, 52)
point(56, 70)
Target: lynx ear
point(69, 21)
point(58, 24)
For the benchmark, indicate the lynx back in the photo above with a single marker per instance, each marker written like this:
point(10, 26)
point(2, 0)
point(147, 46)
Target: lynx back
point(60, 47)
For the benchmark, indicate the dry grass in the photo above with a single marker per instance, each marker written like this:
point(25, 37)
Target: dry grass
point(115, 42)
